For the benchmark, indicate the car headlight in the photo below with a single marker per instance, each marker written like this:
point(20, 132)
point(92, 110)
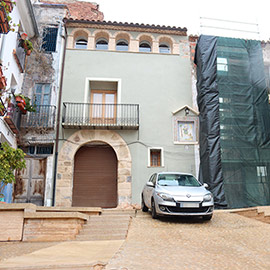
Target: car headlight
point(165, 197)
point(208, 197)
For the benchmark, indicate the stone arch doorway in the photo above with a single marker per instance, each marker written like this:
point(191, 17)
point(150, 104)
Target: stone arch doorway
point(65, 166)
point(95, 176)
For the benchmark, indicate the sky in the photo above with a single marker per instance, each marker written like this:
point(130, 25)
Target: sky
point(192, 14)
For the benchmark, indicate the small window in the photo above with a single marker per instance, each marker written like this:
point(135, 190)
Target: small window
point(44, 149)
point(38, 149)
point(122, 45)
point(222, 64)
point(49, 39)
point(81, 44)
point(145, 46)
point(43, 94)
point(155, 157)
point(163, 48)
point(102, 44)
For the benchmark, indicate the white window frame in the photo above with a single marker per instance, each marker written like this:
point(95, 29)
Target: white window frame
point(161, 157)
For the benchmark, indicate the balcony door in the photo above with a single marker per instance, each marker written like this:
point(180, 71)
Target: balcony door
point(103, 108)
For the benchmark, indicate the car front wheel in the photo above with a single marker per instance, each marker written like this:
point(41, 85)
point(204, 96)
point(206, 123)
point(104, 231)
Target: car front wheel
point(144, 207)
point(153, 209)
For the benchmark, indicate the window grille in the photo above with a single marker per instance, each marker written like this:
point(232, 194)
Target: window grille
point(49, 39)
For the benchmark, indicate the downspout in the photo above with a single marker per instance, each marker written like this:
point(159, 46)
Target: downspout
point(32, 16)
point(58, 116)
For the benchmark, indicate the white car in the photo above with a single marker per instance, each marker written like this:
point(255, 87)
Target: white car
point(175, 193)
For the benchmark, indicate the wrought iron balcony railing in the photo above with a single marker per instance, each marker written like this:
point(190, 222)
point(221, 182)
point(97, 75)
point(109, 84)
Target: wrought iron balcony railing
point(43, 117)
point(109, 116)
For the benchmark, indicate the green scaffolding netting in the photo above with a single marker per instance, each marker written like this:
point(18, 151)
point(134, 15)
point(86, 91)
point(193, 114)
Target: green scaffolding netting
point(234, 121)
point(244, 122)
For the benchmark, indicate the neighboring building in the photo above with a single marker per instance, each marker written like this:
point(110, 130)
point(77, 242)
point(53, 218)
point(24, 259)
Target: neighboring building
point(13, 62)
point(233, 88)
point(41, 83)
point(126, 111)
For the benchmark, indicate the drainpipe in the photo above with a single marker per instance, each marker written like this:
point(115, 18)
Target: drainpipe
point(32, 16)
point(58, 115)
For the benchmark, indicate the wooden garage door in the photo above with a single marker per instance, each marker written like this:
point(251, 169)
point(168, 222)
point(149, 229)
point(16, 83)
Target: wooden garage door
point(30, 182)
point(95, 177)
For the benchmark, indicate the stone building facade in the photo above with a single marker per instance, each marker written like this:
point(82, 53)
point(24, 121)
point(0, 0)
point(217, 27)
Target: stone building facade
point(143, 74)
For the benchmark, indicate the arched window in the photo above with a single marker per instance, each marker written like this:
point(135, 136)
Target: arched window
point(122, 45)
point(145, 46)
point(81, 43)
point(164, 48)
point(102, 44)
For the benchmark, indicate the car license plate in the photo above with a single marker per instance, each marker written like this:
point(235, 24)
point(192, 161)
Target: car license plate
point(190, 204)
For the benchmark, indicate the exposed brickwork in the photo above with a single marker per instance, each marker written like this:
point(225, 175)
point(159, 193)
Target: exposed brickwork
point(192, 44)
point(77, 10)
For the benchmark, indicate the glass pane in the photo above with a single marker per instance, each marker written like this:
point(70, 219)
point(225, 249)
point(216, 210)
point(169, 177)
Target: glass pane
point(109, 98)
point(109, 109)
point(164, 49)
point(38, 88)
point(81, 44)
point(97, 98)
point(144, 47)
point(97, 107)
point(47, 88)
point(46, 100)
point(38, 99)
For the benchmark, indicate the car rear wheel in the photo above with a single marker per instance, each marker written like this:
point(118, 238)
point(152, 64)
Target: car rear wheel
point(144, 207)
point(207, 217)
point(153, 209)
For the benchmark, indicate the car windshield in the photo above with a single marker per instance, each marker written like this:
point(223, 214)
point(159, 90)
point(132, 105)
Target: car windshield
point(178, 180)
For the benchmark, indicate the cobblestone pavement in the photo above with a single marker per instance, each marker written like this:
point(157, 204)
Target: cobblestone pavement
point(13, 249)
point(228, 241)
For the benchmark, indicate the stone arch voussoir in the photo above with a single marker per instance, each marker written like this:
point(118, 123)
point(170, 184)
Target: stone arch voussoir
point(65, 167)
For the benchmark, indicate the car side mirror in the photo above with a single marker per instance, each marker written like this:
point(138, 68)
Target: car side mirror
point(205, 185)
point(150, 184)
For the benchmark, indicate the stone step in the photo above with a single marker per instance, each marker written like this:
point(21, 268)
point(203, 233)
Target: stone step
point(109, 217)
point(90, 266)
point(108, 212)
point(106, 231)
point(106, 223)
point(105, 227)
point(100, 237)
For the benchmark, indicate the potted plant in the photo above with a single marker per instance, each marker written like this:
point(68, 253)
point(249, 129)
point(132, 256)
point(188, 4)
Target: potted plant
point(10, 159)
point(24, 104)
point(28, 47)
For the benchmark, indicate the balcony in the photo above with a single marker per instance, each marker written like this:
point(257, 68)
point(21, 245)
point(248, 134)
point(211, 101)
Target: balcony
point(42, 118)
point(19, 54)
point(100, 116)
point(4, 25)
point(13, 118)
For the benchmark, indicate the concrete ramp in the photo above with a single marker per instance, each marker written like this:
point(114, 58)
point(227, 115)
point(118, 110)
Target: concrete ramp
point(66, 256)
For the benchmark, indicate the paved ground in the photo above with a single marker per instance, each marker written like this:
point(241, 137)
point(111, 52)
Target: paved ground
point(228, 241)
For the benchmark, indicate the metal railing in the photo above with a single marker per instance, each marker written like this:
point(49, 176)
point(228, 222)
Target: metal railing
point(90, 115)
point(43, 117)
